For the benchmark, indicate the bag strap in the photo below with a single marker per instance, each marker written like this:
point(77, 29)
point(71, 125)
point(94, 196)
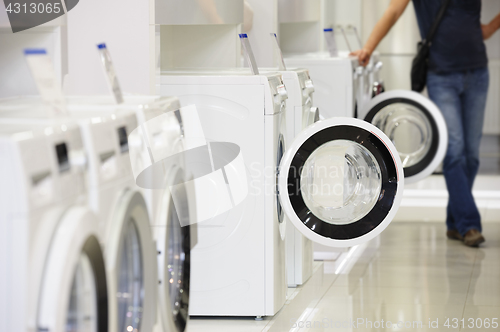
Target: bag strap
point(435, 25)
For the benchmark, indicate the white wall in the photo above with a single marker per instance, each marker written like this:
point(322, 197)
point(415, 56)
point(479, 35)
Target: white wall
point(200, 46)
point(300, 26)
point(490, 9)
point(344, 13)
point(399, 46)
point(124, 26)
point(265, 21)
point(492, 117)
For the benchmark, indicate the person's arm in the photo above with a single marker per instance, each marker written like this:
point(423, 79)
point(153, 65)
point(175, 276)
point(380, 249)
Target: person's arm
point(490, 28)
point(390, 17)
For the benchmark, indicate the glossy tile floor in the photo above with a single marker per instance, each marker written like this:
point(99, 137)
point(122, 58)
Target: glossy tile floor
point(427, 199)
point(411, 274)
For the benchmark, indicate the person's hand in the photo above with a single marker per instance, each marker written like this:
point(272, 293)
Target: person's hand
point(363, 56)
point(488, 30)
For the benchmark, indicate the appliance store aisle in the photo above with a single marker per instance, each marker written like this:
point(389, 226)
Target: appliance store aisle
point(409, 274)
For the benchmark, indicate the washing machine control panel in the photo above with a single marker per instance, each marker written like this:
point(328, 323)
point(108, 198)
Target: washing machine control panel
point(48, 154)
point(107, 137)
point(306, 85)
point(278, 92)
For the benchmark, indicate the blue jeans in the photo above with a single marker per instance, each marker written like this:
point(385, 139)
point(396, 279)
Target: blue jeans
point(461, 97)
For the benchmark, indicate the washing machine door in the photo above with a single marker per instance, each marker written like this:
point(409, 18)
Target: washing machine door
point(310, 115)
point(174, 245)
point(74, 294)
point(415, 126)
point(341, 182)
point(131, 266)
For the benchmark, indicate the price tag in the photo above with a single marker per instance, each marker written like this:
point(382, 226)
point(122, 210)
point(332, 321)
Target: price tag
point(330, 42)
point(110, 73)
point(277, 48)
point(247, 49)
point(46, 81)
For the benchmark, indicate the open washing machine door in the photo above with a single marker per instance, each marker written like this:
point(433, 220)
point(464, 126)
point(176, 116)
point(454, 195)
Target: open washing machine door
point(174, 244)
point(310, 115)
point(157, 153)
point(341, 182)
point(74, 293)
point(415, 126)
point(131, 266)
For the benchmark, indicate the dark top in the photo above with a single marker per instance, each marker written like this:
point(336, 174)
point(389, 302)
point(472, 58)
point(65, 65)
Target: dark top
point(458, 43)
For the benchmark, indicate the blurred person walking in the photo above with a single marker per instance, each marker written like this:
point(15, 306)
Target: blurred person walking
point(457, 82)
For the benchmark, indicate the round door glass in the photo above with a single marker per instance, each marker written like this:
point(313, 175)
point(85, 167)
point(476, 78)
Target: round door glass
point(408, 128)
point(340, 182)
point(82, 308)
point(130, 281)
point(175, 261)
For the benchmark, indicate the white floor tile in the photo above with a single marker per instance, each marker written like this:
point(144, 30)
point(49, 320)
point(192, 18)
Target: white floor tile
point(411, 273)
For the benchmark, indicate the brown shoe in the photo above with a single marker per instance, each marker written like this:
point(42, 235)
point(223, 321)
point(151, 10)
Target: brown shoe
point(473, 238)
point(454, 235)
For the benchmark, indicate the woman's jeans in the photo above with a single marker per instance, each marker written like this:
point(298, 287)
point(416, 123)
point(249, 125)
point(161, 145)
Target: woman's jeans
point(461, 97)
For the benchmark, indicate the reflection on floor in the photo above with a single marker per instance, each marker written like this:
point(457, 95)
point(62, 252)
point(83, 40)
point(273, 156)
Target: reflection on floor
point(426, 200)
point(411, 274)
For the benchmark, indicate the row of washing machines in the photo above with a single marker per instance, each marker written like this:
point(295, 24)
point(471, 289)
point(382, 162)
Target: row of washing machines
point(83, 247)
point(132, 217)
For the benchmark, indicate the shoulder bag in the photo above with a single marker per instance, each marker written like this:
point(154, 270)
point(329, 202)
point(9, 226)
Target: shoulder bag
point(421, 61)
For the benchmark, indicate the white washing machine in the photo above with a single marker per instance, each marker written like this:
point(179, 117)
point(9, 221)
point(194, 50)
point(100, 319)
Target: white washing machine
point(145, 108)
point(300, 114)
point(124, 226)
point(369, 81)
point(336, 82)
point(238, 266)
point(159, 146)
point(161, 120)
point(53, 271)
point(416, 127)
point(363, 79)
point(375, 65)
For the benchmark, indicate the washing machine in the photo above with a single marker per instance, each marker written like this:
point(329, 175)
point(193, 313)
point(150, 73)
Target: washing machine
point(336, 82)
point(416, 127)
point(301, 113)
point(238, 266)
point(53, 270)
point(123, 226)
point(375, 65)
point(368, 80)
point(164, 133)
point(159, 144)
point(365, 79)
point(146, 108)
